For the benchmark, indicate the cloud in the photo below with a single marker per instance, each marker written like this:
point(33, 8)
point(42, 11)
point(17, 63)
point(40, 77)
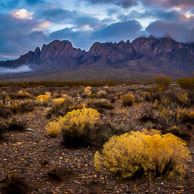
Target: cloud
point(18, 36)
point(9, 3)
point(156, 14)
point(22, 14)
point(182, 4)
point(77, 19)
point(119, 31)
point(78, 38)
point(57, 15)
point(20, 69)
point(179, 31)
point(33, 2)
point(123, 3)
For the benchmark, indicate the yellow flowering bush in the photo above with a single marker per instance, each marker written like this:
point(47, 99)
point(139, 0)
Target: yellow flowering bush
point(78, 119)
point(78, 126)
point(137, 152)
point(53, 129)
point(42, 98)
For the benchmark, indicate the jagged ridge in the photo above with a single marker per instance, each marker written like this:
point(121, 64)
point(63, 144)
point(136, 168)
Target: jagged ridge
point(143, 54)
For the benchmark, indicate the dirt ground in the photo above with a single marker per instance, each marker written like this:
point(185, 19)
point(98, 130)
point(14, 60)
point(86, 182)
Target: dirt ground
point(45, 165)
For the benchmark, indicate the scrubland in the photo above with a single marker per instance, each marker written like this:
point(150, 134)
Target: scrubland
point(97, 137)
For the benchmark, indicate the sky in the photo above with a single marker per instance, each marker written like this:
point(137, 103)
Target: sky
point(26, 24)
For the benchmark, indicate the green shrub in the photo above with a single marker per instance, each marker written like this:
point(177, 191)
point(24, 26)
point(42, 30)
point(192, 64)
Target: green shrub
point(137, 153)
point(162, 81)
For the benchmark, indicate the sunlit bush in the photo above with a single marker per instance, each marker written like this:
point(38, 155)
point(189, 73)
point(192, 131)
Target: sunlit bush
point(87, 90)
point(77, 119)
point(128, 99)
point(58, 101)
point(48, 94)
point(101, 94)
point(137, 153)
point(77, 126)
point(42, 98)
point(53, 129)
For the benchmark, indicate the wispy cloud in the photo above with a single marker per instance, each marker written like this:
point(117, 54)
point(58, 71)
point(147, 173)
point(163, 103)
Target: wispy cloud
point(21, 69)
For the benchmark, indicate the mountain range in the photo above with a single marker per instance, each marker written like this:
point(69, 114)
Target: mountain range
point(124, 60)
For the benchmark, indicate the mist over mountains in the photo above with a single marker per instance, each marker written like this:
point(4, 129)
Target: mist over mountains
point(145, 56)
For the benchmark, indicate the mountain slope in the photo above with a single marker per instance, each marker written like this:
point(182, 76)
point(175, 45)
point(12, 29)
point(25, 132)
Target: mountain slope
point(143, 55)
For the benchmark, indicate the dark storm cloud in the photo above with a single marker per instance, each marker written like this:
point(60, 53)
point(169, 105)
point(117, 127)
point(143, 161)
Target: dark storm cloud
point(79, 20)
point(32, 2)
point(56, 15)
point(164, 3)
point(123, 3)
point(181, 32)
point(119, 31)
point(18, 36)
point(156, 13)
point(8, 4)
point(78, 38)
point(170, 3)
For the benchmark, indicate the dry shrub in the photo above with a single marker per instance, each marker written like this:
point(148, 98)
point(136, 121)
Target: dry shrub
point(171, 114)
point(3, 128)
point(5, 112)
point(128, 99)
point(15, 185)
point(62, 106)
point(58, 102)
point(16, 125)
point(87, 90)
point(162, 81)
point(188, 117)
point(48, 94)
point(101, 94)
point(179, 131)
point(23, 106)
point(186, 83)
point(136, 153)
point(22, 94)
point(100, 104)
